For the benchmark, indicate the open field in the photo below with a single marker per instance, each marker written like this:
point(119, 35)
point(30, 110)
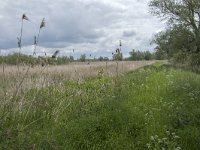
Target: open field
point(13, 78)
point(153, 107)
point(77, 70)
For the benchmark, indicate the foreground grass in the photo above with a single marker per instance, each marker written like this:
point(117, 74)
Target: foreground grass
point(152, 108)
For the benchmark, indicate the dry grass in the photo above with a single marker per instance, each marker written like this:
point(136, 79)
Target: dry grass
point(83, 68)
point(38, 76)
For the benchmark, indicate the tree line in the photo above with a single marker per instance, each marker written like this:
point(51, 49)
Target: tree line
point(14, 59)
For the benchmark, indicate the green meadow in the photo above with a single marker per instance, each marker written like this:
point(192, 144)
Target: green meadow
point(154, 107)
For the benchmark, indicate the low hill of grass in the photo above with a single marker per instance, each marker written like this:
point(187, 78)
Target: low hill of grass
point(153, 107)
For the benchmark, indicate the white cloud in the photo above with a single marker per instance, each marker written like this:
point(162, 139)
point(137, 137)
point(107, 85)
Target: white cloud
point(89, 26)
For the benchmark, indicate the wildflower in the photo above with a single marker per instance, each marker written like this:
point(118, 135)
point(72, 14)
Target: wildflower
point(164, 139)
point(159, 141)
point(148, 145)
point(173, 134)
point(176, 137)
point(152, 138)
point(156, 136)
point(167, 132)
point(178, 148)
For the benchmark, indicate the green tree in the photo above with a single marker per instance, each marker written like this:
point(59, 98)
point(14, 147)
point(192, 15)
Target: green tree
point(106, 59)
point(83, 58)
point(71, 58)
point(173, 41)
point(100, 58)
point(136, 55)
point(147, 55)
point(182, 13)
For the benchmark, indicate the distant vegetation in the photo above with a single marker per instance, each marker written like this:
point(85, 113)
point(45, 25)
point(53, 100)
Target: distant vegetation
point(180, 42)
point(22, 59)
point(14, 59)
point(141, 55)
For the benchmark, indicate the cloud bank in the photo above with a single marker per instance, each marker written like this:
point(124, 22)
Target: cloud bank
point(88, 26)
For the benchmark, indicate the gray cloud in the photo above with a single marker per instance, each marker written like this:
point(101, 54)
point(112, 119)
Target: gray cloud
point(91, 25)
point(129, 33)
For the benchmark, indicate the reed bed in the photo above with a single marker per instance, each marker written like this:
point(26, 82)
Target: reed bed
point(39, 76)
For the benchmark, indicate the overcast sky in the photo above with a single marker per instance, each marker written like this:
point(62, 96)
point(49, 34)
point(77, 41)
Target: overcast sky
point(88, 26)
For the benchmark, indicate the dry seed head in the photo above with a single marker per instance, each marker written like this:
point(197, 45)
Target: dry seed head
point(25, 17)
point(43, 23)
point(55, 54)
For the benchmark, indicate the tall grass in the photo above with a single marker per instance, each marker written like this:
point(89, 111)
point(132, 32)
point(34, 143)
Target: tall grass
point(155, 107)
point(24, 17)
point(36, 39)
point(20, 77)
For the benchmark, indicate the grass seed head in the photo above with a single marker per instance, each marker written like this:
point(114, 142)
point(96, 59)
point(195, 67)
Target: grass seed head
point(55, 54)
point(25, 17)
point(43, 23)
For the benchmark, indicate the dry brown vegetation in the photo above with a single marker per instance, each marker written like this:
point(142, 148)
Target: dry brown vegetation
point(39, 76)
point(77, 70)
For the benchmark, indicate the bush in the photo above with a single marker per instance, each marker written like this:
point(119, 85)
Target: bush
point(194, 59)
point(180, 58)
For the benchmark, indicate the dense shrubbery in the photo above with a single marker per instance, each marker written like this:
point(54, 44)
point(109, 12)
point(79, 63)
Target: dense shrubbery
point(189, 59)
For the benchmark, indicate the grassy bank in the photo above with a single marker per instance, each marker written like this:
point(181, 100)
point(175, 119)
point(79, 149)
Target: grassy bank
point(151, 108)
